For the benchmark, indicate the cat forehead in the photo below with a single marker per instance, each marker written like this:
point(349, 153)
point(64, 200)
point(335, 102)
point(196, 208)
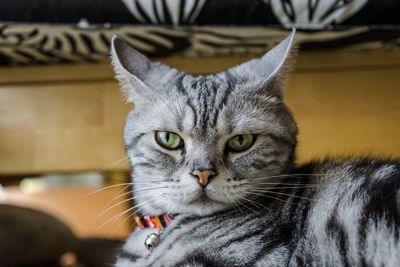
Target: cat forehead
point(205, 109)
point(207, 85)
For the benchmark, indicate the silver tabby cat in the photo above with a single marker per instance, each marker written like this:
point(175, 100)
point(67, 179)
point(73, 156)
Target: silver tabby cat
point(217, 151)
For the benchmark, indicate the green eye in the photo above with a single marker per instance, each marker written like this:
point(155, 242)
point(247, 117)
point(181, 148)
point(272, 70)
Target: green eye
point(169, 140)
point(240, 143)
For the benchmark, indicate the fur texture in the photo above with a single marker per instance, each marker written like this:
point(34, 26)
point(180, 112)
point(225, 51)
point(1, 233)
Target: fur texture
point(259, 210)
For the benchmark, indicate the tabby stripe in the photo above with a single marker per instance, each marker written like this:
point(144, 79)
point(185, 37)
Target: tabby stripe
point(382, 191)
point(191, 106)
point(181, 225)
point(246, 235)
point(178, 83)
point(300, 209)
point(222, 226)
point(138, 154)
point(268, 247)
point(150, 161)
point(183, 155)
point(130, 144)
point(163, 155)
point(204, 117)
point(225, 98)
point(149, 158)
point(280, 139)
point(145, 164)
point(200, 259)
point(212, 103)
point(129, 256)
point(298, 195)
point(272, 153)
point(335, 227)
point(178, 86)
point(260, 164)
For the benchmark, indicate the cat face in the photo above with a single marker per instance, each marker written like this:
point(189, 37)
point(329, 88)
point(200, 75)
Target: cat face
point(201, 144)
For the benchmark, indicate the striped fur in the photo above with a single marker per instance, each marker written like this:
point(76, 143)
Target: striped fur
point(259, 210)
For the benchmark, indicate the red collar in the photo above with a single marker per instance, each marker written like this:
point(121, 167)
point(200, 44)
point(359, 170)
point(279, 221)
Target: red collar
point(157, 222)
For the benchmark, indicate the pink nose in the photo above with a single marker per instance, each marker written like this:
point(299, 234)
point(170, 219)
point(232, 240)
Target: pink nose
point(203, 176)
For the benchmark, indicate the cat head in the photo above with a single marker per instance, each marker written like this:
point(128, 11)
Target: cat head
point(201, 144)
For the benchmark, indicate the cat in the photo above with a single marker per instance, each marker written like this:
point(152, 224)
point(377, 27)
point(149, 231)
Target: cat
point(216, 152)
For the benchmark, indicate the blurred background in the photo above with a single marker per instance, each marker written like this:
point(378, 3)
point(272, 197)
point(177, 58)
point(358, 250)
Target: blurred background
point(62, 161)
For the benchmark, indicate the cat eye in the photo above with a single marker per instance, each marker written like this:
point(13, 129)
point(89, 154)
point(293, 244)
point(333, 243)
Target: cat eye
point(168, 140)
point(240, 143)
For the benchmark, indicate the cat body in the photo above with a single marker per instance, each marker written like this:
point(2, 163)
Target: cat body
point(217, 151)
point(349, 219)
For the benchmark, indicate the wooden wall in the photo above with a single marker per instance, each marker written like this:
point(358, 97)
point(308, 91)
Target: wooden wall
point(70, 118)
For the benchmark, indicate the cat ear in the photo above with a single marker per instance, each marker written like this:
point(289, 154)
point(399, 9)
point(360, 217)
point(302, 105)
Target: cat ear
point(267, 72)
point(136, 73)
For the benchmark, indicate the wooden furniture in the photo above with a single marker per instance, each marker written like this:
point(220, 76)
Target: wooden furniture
point(70, 118)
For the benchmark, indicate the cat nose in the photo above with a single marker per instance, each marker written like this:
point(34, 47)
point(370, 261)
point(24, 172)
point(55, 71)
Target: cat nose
point(204, 176)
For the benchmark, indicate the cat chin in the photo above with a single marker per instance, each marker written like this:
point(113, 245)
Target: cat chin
point(205, 207)
point(203, 211)
point(199, 207)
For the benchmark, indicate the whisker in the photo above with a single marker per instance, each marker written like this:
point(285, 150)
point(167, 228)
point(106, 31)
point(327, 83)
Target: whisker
point(233, 202)
point(116, 185)
point(249, 180)
point(119, 195)
point(124, 201)
point(124, 220)
point(148, 189)
point(287, 187)
point(174, 111)
point(245, 206)
point(120, 223)
point(121, 214)
point(147, 182)
point(268, 196)
point(115, 163)
point(283, 183)
point(104, 188)
point(252, 203)
point(130, 216)
point(292, 175)
point(113, 206)
point(262, 205)
point(280, 193)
